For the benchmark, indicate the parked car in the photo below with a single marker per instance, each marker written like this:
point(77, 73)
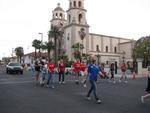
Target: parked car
point(14, 68)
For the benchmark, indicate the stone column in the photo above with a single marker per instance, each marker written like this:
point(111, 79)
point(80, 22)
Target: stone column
point(139, 71)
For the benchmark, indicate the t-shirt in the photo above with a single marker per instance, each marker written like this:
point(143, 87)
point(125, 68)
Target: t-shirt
point(93, 71)
point(123, 68)
point(51, 67)
point(61, 67)
point(82, 67)
point(76, 67)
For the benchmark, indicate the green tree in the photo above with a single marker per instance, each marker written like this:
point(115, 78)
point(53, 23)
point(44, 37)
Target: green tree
point(142, 50)
point(48, 46)
point(37, 45)
point(77, 48)
point(56, 33)
point(19, 53)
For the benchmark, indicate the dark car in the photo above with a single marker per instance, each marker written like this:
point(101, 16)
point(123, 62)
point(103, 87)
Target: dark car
point(14, 68)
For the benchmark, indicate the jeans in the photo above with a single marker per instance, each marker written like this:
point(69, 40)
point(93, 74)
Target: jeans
point(61, 75)
point(93, 88)
point(50, 78)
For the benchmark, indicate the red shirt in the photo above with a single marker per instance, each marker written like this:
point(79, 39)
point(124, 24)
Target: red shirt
point(82, 67)
point(76, 66)
point(123, 68)
point(51, 67)
point(61, 67)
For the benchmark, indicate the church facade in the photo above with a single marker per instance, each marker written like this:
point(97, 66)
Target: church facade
point(109, 48)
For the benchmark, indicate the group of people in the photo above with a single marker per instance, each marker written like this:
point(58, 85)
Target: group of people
point(90, 71)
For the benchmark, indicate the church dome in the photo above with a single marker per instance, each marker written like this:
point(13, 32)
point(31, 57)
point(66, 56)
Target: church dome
point(58, 8)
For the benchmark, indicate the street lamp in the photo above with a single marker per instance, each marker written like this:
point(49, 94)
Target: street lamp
point(41, 37)
point(98, 56)
point(41, 41)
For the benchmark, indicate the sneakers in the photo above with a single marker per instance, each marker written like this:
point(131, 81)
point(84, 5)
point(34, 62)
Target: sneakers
point(114, 82)
point(142, 99)
point(84, 85)
point(125, 81)
point(99, 101)
point(63, 82)
point(88, 98)
point(53, 87)
point(59, 82)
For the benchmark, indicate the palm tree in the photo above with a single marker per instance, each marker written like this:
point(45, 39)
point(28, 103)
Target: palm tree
point(37, 45)
point(19, 53)
point(56, 34)
point(48, 46)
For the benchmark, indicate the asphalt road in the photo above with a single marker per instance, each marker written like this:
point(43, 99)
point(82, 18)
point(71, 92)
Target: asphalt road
point(19, 94)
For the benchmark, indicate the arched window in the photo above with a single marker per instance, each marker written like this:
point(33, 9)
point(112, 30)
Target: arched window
point(97, 48)
point(115, 49)
point(80, 18)
point(70, 4)
point(79, 3)
point(61, 15)
point(69, 18)
point(106, 48)
point(74, 3)
point(56, 15)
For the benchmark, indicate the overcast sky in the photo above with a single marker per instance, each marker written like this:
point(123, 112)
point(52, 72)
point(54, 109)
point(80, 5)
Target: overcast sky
point(22, 20)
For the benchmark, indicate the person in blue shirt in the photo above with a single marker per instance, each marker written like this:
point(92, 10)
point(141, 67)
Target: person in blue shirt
point(93, 71)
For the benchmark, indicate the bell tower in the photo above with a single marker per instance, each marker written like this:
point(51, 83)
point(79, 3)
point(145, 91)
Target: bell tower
point(76, 22)
point(58, 17)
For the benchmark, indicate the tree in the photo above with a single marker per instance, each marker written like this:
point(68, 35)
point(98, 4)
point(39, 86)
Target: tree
point(77, 47)
point(142, 50)
point(19, 53)
point(48, 46)
point(56, 34)
point(37, 45)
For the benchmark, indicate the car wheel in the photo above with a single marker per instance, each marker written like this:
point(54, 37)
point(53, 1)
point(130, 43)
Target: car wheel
point(21, 72)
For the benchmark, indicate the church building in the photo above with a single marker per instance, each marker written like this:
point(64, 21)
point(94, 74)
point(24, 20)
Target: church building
point(109, 48)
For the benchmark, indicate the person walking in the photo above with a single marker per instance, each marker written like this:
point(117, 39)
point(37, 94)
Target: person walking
point(123, 76)
point(93, 71)
point(148, 88)
point(76, 69)
point(44, 72)
point(61, 70)
point(112, 71)
point(37, 71)
point(51, 68)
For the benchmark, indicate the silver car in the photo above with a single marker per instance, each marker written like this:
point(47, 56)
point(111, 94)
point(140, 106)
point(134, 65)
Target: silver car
point(14, 68)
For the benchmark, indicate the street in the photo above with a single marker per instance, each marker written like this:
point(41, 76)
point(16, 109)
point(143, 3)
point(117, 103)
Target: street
point(20, 94)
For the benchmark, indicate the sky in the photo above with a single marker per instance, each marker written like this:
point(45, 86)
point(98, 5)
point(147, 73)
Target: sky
point(21, 21)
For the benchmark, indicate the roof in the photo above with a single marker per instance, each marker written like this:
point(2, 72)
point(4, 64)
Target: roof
point(37, 54)
point(58, 8)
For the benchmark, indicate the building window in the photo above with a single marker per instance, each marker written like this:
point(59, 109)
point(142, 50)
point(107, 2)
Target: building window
point(61, 15)
point(115, 49)
point(80, 18)
point(69, 18)
point(79, 3)
point(106, 48)
point(56, 15)
point(74, 3)
point(70, 4)
point(97, 47)
point(107, 62)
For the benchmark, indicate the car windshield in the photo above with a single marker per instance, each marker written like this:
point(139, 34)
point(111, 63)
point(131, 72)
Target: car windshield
point(14, 64)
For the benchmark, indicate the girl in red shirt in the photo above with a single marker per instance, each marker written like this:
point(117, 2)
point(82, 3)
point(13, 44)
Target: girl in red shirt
point(61, 70)
point(51, 68)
